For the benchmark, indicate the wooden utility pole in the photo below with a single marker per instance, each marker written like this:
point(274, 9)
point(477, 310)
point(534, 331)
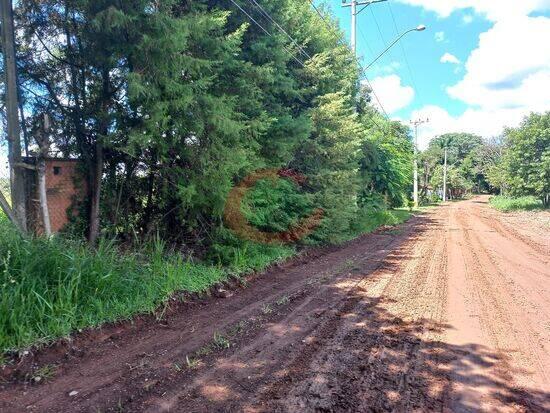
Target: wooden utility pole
point(17, 178)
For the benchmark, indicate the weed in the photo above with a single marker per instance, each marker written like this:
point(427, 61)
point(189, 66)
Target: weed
point(221, 342)
point(267, 309)
point(237, 328)
point(50, 287)
point(524, 203)
point(283, 300)
point(192, 362)
point(44, 373)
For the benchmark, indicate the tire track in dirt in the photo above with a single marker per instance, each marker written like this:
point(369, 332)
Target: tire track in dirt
point(130, 368)
point(503, 324)
point(383, 292)
point(438, 315)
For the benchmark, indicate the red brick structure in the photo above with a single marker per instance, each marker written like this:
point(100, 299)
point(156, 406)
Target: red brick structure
point(65, 188)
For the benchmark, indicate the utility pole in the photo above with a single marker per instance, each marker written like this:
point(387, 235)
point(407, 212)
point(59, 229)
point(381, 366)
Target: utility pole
point(17, 178)
point(445, 176)
point(353, 4)
point(416, 123)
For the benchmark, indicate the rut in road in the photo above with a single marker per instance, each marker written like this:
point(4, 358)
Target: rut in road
point(448, 311)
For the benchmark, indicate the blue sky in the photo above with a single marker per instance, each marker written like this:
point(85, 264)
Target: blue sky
point(480, 65)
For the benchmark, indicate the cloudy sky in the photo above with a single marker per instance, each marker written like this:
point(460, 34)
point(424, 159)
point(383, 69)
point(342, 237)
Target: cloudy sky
point(481, 64)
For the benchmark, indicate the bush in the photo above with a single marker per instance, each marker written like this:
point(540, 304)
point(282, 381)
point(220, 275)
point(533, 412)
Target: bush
point(524, 203)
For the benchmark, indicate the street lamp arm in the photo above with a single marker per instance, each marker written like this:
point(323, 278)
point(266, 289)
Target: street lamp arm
point(416, 29)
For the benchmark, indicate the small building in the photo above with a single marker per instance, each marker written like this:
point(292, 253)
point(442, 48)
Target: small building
point(66, 189)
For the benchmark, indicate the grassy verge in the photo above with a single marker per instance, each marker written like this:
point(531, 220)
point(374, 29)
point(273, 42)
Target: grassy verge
point(49, 288)
point(524, 203)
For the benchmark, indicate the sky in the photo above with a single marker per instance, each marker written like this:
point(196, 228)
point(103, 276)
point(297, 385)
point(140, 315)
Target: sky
point(480, 65)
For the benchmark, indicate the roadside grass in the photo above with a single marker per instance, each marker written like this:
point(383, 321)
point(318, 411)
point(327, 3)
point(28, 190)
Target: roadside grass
point(52, 287)
point(524, 203)
point(370, 221)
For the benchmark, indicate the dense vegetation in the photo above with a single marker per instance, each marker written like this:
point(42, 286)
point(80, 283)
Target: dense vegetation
point(515, 165)
point(464, 167)
point(169, 104)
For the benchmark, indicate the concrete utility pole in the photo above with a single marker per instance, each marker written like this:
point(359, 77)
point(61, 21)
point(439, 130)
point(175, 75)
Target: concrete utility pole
point(353, 4)
point(416, 123)
point(445, 177)
point(17, 179)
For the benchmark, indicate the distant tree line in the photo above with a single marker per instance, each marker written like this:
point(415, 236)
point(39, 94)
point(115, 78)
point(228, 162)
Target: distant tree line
point(170, 103)
point(514, 164)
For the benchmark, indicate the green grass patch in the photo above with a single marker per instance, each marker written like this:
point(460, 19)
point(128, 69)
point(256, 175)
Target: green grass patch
point(49, 288)
point(52, 287)
point(524, 203)
point(369, 221)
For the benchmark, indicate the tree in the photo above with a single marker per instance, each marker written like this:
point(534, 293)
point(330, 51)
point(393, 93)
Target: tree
point(527, 157)
point(169, 104)
point(463, 173)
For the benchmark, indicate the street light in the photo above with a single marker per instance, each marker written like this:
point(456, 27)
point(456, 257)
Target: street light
point(419, 28)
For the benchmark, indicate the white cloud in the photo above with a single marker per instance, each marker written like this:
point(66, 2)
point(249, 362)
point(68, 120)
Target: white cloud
point(504, 78)
point(467, 19)
point(449, 58)
point(392, 93)
point(484, 122)
point(439, 36)
point(510, 68)
point(492, 9)
point(385, 69)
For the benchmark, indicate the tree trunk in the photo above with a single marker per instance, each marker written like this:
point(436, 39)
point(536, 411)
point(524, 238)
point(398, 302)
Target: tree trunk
point(103, 131)
point(96, 194)
point(17, 177)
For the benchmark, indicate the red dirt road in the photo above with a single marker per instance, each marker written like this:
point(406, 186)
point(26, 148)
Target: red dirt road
point(449, 312)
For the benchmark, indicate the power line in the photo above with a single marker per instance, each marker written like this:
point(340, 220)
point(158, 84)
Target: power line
point(377, 98)
point(281, 29)
point(403, 51)
point(366, 42)
point(379, 30)
point(329, 25)
point(267, 32)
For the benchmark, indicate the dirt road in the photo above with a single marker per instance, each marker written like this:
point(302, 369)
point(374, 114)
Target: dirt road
point(449, 312)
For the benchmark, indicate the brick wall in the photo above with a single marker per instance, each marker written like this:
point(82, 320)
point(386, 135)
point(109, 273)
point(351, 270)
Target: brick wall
point(65, 185)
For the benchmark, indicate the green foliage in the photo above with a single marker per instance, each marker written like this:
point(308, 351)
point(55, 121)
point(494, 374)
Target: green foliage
point(527, 158)
point(368, 221)
point(386, 165)
point(175, 102)
point(524, 203)
point(48, 288)
point(464, 166)
point(274, 206)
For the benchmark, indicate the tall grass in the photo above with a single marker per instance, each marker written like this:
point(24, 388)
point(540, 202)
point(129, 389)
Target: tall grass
point(51, 287)
point(524, 203)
